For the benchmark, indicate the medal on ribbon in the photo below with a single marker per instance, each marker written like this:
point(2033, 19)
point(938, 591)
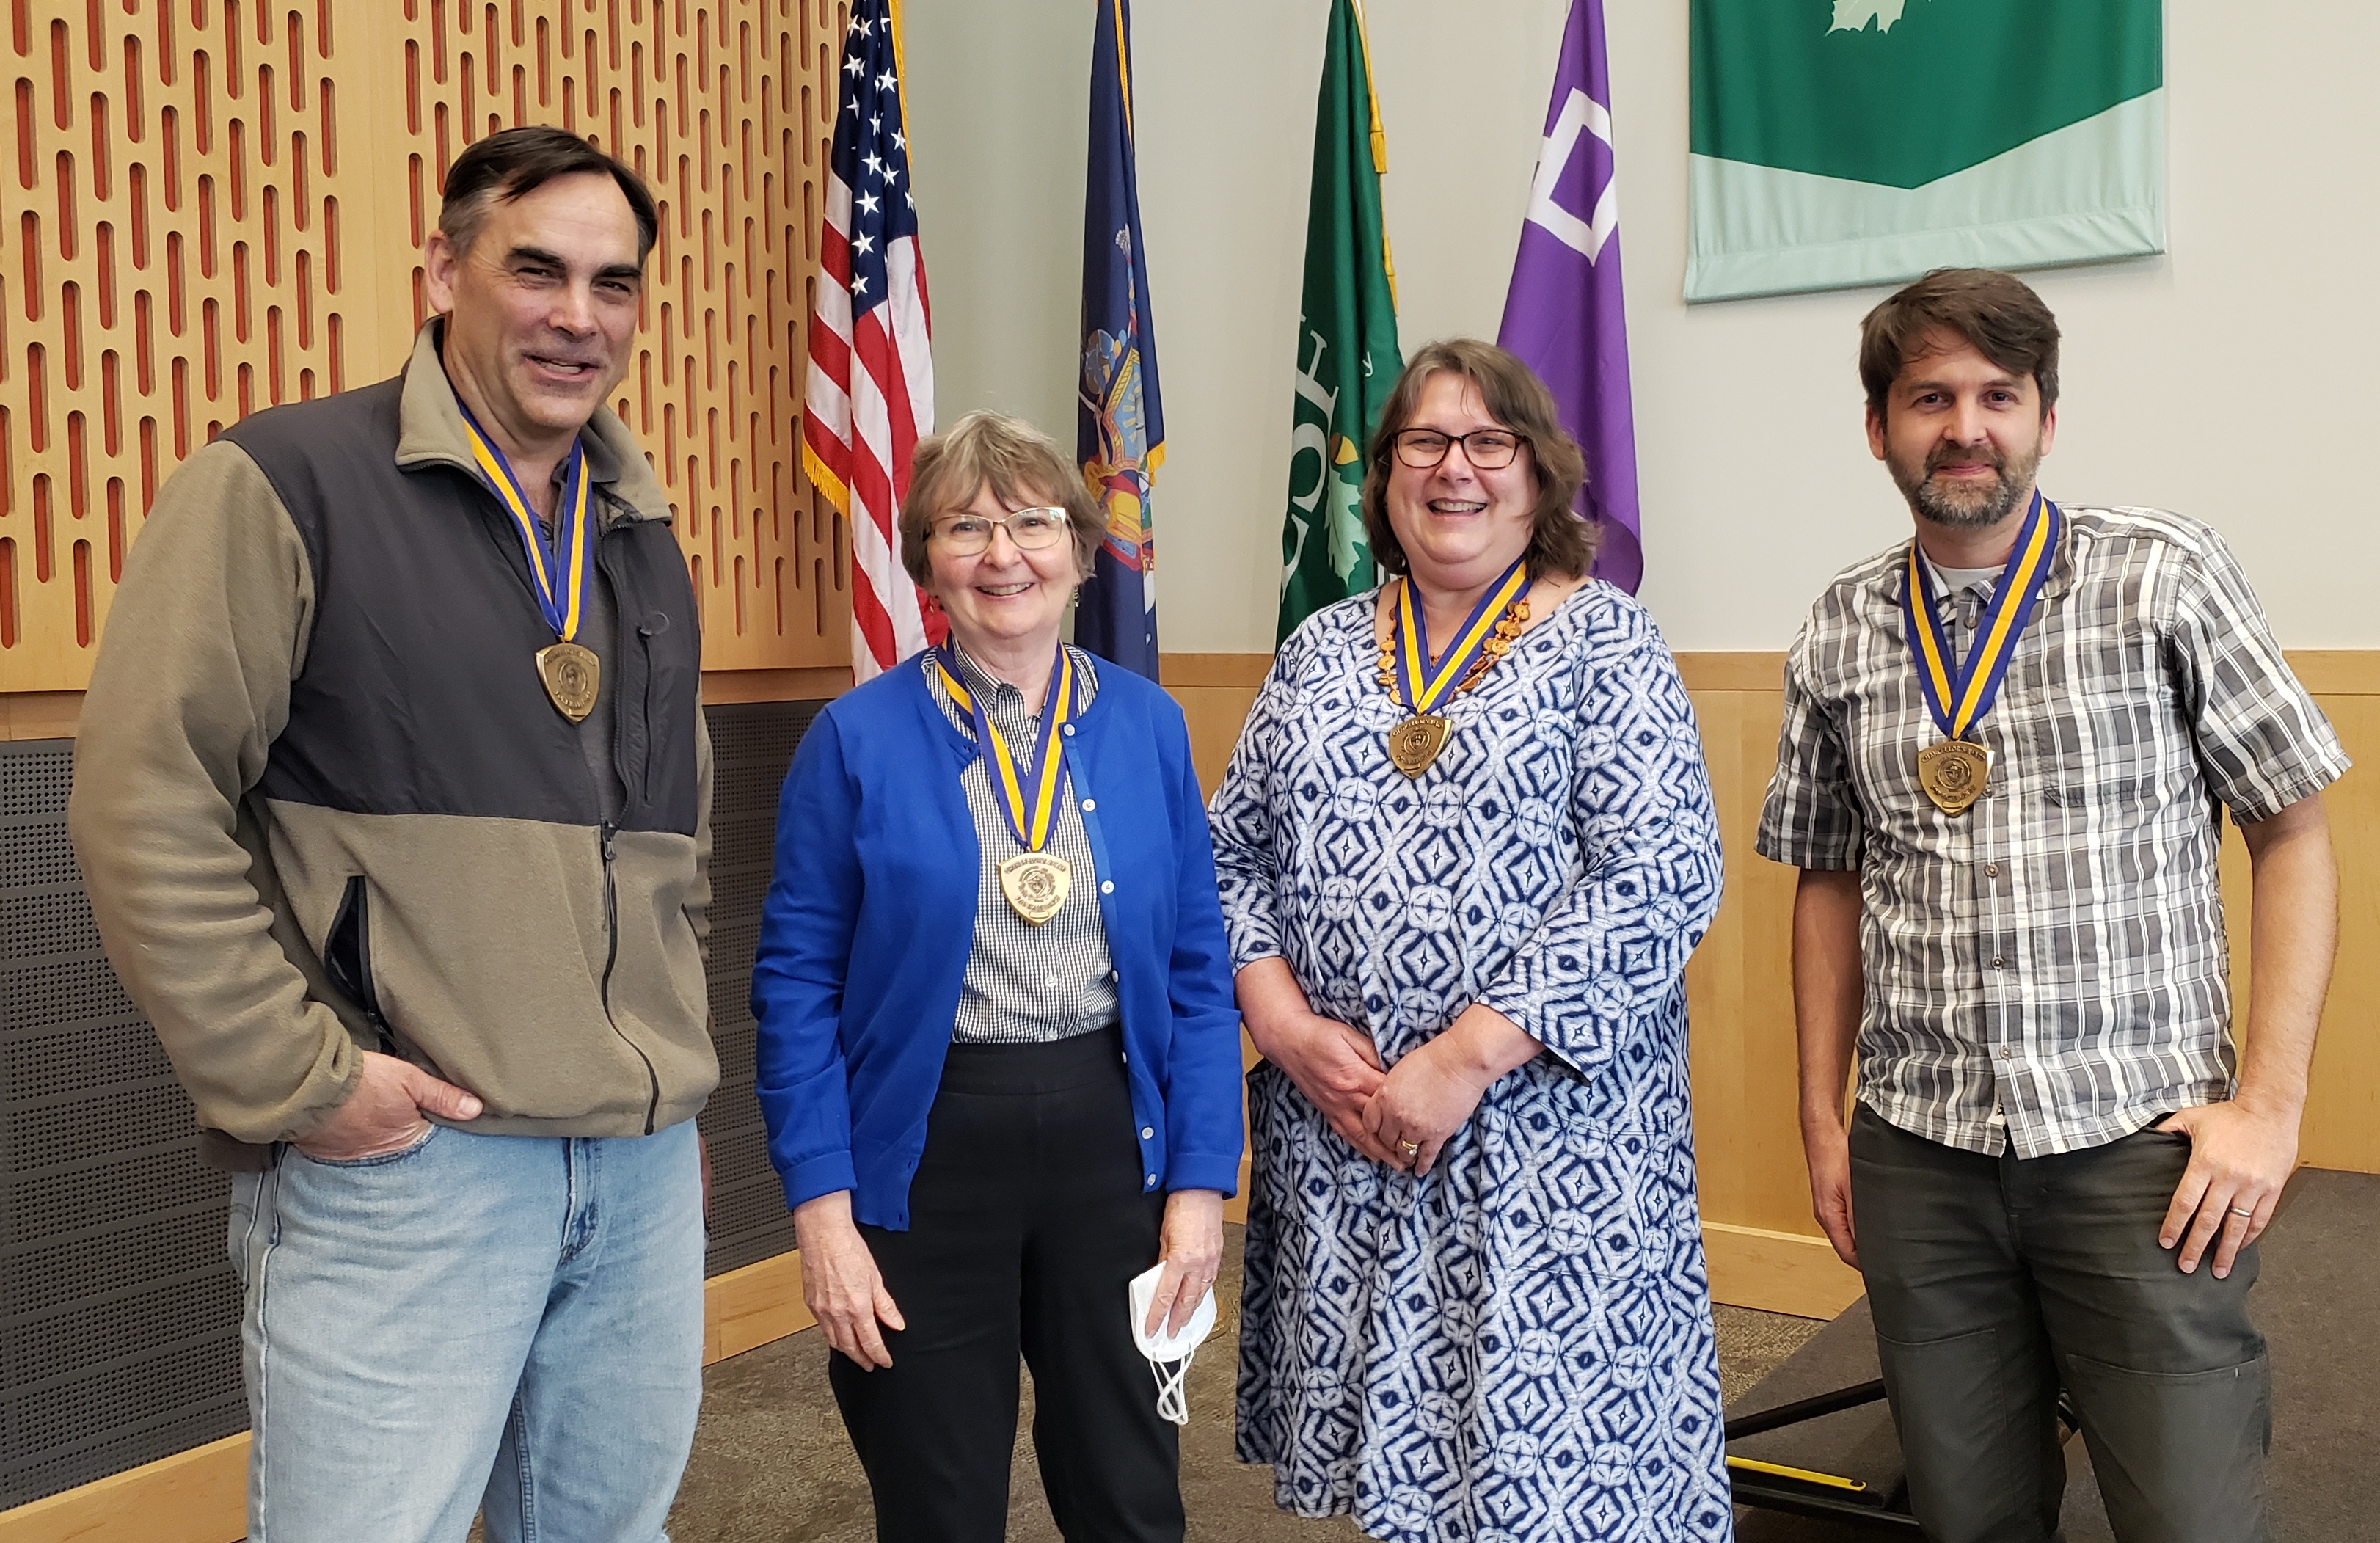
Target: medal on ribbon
point(558, 572)
point(1953, 772)
point(1034, 882)
point(1421, 688)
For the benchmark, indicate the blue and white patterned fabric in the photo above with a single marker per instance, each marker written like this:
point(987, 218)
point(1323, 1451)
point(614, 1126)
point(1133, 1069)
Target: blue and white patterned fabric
point(1518, 1346)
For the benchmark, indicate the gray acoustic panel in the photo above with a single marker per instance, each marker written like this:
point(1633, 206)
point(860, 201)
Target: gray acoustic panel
point(119, 1315)
point(751, 748)
point(119, 1319)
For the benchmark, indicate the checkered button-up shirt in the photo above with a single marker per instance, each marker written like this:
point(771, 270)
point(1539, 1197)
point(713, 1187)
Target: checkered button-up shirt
point(1027, 985)
point(2047, 970)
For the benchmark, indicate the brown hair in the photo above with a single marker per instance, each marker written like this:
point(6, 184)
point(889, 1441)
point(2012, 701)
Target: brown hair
point(514, 163)
point(1016, 461)
point(1560, 541)
point(1998, 315)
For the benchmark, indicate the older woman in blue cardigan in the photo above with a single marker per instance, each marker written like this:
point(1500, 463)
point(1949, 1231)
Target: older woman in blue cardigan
point(998, 1049)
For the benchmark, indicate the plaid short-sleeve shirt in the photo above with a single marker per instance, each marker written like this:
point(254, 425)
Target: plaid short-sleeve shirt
point(2047, 970)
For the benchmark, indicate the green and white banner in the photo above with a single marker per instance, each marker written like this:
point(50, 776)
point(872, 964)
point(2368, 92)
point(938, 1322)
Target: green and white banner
point(1845, 142)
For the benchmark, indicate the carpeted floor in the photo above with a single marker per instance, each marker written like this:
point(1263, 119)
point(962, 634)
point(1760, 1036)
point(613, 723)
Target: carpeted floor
point(772, 1465)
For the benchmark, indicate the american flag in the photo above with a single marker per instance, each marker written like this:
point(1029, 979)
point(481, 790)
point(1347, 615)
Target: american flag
point(870, 396)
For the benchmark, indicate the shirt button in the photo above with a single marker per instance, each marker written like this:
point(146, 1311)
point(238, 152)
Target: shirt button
point(1107, 886)
point(1152, 1181)
point(1068, 731)
point(1996, 961)
point(1090, 804)
point(1146, 1132)
point(2004, 1053)
point(1991, 871)
point(1051, 983)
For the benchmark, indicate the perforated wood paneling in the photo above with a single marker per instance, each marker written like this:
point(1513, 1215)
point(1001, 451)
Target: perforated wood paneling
point(211, 206)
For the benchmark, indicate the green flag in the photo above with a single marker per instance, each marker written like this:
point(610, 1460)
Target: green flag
point(1347, 356)
point(1843, 142)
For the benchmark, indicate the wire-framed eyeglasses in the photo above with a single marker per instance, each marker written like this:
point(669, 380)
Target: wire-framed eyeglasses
point(1028, 530)
point(1486, 449)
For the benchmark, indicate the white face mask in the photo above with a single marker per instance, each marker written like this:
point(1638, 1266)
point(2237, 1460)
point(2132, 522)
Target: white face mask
point(1168, 1355)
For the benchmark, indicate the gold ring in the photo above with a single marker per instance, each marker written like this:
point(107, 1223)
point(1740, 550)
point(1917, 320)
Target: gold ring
point(1410, 1149)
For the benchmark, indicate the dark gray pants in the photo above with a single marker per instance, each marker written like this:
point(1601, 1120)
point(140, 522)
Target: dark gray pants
point(1995, 1281)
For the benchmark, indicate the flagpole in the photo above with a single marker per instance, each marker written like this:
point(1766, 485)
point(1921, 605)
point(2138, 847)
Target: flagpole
point(1379, 137)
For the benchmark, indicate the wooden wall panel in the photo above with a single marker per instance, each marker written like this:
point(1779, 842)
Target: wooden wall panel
point(1215, 691)
point(1739, 997)
point(1754, 1191)
point(213, 206)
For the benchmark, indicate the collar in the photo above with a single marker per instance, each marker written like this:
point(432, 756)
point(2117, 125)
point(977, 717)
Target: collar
point(962, 745)
point(430, 431)
point(1884, 582)
point(974, 676)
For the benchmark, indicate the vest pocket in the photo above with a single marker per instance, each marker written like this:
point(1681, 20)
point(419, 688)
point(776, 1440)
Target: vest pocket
point(347, 956)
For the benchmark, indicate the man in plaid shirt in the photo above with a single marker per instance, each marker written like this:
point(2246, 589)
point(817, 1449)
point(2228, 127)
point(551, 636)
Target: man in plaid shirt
point(2008, 906)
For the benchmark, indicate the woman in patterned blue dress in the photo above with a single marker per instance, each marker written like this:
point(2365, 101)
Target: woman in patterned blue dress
point(1475, 1302)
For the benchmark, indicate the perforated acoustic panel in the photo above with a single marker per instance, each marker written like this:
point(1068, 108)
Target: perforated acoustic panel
point(119, 1320)
point(211, 206)
point(751, 746)
point(119, 1316)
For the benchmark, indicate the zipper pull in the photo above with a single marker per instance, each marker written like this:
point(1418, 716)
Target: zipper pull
point(608, 831)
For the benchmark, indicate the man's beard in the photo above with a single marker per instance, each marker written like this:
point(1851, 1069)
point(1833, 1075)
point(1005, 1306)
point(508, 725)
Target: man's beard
point(1965, 508)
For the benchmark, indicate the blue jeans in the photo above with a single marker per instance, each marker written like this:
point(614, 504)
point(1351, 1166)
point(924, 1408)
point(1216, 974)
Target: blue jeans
point(512, 1320)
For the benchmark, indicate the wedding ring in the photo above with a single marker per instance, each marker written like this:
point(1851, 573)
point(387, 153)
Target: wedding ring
point(1410, 1149)
point(2249, 1214)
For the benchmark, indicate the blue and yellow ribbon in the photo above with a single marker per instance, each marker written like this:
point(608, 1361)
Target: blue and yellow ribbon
point(1028, 798)
point(1420, 686)
point(1959, 696)
point(557, 571)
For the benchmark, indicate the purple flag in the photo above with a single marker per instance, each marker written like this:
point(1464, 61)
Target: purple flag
point(1564, 313)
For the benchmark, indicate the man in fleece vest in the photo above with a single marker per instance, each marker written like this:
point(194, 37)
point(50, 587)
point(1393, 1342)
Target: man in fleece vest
point(392, 797)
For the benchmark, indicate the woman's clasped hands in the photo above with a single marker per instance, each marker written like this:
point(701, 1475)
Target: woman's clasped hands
point(1399, 1115)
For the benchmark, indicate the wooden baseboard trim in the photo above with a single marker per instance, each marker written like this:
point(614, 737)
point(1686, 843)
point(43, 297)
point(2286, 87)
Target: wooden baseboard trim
point(723, 687)
point(1212, 669)
point(2323, 672)
point(200, 1496)
point(39, 715)
point(758, 1305)
point(1777, 1272)
point(1750, 671)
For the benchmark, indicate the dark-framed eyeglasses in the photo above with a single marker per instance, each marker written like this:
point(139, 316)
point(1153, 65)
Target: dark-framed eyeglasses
point(1486, 449)
point(1028, 530)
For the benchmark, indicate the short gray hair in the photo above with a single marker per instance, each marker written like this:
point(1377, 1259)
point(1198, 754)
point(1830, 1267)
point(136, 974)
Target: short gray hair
point(1016, 461)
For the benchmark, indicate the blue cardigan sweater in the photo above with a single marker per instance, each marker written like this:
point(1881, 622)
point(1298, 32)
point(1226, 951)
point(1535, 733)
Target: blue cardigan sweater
point(870, 917)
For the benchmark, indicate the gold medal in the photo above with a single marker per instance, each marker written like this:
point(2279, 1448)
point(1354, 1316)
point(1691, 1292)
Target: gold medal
point(572, 674)
point(1035, 884)
point(1957, 696)
point(1952, 773)
point(1421, 688)
point(1414, 743)
point(573, 677)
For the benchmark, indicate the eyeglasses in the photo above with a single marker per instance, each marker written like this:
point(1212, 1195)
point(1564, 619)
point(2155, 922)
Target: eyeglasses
point(1028, 530)
point(1487, 449)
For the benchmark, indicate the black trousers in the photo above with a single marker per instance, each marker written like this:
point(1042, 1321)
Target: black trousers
point(1027, 1219)
point(1993, 1281)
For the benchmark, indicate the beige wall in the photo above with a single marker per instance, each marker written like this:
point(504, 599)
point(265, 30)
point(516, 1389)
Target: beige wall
point(2224, 380)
